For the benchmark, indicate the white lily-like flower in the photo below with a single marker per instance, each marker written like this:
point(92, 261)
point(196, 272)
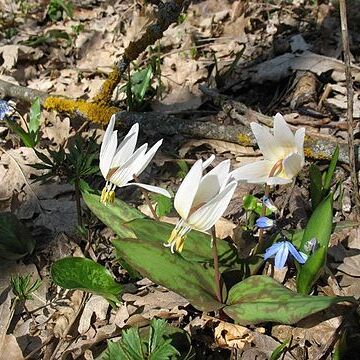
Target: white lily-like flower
point(283, 155)
point(119, 165)
point(201, 200)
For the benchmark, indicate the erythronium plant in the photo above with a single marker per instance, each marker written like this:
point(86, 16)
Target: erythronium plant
point(284, 157)
point(190, 270)
point(121, 164)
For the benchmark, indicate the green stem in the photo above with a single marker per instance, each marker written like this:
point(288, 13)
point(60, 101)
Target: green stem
point(216, 264)
point(147, 200)
point(78, 202)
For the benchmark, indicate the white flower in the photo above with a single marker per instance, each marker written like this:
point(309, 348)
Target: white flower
point(283, 155)
point(119, 164)
point(201, 200)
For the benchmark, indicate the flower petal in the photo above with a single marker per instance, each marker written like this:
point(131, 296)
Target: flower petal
point(208, 161)
point(266, 142)
point(257, 172)
point(154, 189)
point(148, 157)
point(108, 154)
point(187, 190)
point(126, 172)
point(126, 147)
point(107, 135)
point(298, 257)
point(281, 256)
point(206, 217)
point(264, 222)
point(272, 250)
point(284, 137)
point(211, 183)
point(276, 180)
point(292, 165)
point(299, 141)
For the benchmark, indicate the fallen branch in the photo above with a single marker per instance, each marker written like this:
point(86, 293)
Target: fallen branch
point(317, 147)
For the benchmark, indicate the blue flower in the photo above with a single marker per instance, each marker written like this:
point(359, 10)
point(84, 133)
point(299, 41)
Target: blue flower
point(4, 109)
point(280, 251)
point(269, 204)
point(265, 223)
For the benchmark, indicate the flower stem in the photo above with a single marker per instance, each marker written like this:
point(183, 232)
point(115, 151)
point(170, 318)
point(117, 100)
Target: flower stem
point(216, 264)
point(147, 200)
point(78, 202)
point(261, 244)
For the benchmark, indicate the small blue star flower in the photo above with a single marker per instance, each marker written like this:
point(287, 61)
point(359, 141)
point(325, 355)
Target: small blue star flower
point(269, 204)
point(4, 109)
point(280, 251)
point(265, 223)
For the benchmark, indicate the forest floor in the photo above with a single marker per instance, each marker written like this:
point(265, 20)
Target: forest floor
point(272, 56)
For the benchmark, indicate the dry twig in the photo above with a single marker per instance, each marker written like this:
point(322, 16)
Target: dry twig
point(350, 105)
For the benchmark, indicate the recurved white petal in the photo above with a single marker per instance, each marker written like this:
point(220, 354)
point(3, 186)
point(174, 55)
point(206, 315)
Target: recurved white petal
point(126, 172)
point(205, 217)
point(126, 147)
point(154, 189)
point(254, 173)
point(266, 142)
point(283, 134)
point(211, 183)
point(276, 180)
point(292, 165)
point(187, 190)
point(148, 157)
point(299, 141)
point(208, 161)
point(107, 136)
point(108, 154)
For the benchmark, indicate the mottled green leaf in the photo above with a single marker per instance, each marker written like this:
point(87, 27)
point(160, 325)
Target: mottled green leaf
point(260, 299)
point(197, 244)
point(15, 239)
point(331, 170)
point(315, 185)
point(153, 260)
point(34, 119)
point(85, 274)
point(115, 215)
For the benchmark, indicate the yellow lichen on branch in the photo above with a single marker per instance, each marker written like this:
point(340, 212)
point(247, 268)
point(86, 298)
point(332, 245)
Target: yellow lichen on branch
point(103, 97)
point(96, 113)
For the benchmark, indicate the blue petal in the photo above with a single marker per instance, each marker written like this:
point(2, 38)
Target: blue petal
point(267, 202)
point(281, 256)
point(4, 109)
point(295, 253)
point(272, 250)
point(264, 222)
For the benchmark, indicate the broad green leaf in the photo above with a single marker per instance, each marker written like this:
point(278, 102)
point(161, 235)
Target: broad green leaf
point(163, 205)
point(315, 185)
point(153, 260)
point(85, 274)
point(197, 244)
point(249, 202)
point(34, 118)
point(115, 215)
point(260, 299)
point(15, 239)
point(330, 172)
point(323, 215)
point(311, 270)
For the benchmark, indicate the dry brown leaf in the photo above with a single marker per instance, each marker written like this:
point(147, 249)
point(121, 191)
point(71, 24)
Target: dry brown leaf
point(232, 336)
point(56, 130)
point(97, 306)
point(351, 265)
point(11, 349)
point(12, 53)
